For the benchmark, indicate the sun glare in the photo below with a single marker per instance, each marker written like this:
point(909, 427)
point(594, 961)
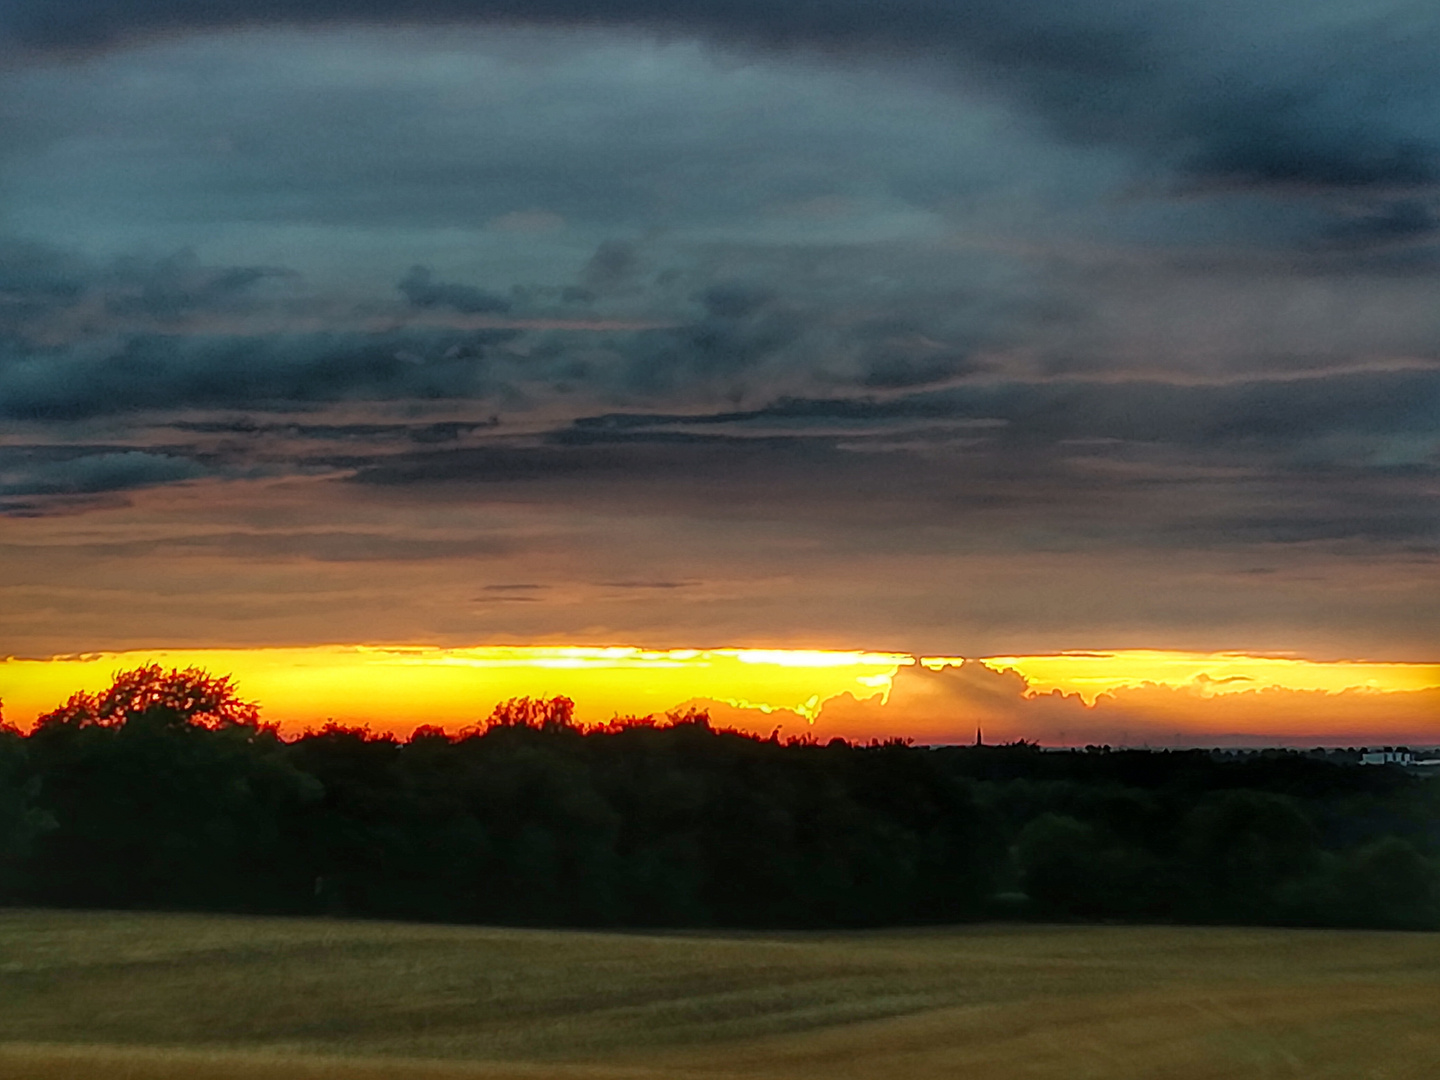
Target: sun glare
point(395, 688)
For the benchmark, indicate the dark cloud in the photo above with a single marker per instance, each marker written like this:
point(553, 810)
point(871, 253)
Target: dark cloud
point(734, 339)
point(901, 372)
point(1288, 461)
point(423, 291)
point(280, 373)
point(341, 546)
point(354, 544)
point(34, 272)
point(1063, 318)
point(36, 282)
point(649, 584)
point(614, 265)
point(768, 397)
point(522, 593)
point(88, 473)
point(735, 299)
point(501, 464)
point(91, 340)
point(178, 285)
point(1416, 528)
point(48, 293)
point(443, 431)
point(742, 329)
point(897, 357)
point(1273, 96)
point(1048, 39)
point(1397, 222)
point(1284, 140)
point(1052, 465)
point(1278, 413)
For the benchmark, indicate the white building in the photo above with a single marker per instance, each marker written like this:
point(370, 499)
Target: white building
point(1387, 757)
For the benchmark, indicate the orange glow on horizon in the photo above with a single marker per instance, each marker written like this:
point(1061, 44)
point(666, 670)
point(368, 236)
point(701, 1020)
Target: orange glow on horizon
point(1091, 674)
point(396, 688)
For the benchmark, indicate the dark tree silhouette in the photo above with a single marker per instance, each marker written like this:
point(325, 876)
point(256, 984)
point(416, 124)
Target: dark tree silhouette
point(150, 693)
point(542, 714)
point(165, 790)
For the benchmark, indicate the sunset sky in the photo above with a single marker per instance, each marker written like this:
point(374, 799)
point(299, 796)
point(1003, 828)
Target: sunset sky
point(755, 355)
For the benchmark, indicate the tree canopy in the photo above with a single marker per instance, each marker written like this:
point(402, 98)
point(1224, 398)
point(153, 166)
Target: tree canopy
point(178, 697)
point(165, 790)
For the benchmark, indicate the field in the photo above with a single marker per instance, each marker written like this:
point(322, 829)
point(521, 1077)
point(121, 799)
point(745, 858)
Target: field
point(181, 997)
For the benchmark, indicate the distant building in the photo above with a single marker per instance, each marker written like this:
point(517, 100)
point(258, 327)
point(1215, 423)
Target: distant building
point(1387, 757)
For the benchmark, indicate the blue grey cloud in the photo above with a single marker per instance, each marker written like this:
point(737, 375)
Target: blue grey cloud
point(86, 472)
point(168, 373)
point(422, 290)
point(44, 290)
point(177, 285)
point(1066, 465)
point(1283, 94)
point(932, 281)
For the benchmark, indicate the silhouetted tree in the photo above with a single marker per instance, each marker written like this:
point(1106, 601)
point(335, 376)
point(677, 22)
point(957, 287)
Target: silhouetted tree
point(150, 694)
point(166, 790)
point(22, 820)
point(542, 714)
point(1386, 883)
point(1248, 853)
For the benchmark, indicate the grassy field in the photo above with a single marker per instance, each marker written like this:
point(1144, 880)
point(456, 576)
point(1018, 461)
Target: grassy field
point(180, 997)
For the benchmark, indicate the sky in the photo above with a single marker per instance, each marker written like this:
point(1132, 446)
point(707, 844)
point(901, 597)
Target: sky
point(1129, 698)
point(925, 329)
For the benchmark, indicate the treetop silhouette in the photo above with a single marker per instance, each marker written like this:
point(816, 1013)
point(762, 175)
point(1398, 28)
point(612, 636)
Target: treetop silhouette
point(179, 697)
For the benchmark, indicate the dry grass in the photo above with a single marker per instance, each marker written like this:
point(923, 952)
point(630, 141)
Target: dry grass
point(178, 997)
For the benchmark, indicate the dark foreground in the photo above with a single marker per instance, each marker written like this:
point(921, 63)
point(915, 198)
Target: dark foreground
point(146, 799)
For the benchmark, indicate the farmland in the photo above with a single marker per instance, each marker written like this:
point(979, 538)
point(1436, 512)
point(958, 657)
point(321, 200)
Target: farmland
point(189, 997)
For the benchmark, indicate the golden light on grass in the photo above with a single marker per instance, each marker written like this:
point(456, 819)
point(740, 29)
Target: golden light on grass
point(192, 997)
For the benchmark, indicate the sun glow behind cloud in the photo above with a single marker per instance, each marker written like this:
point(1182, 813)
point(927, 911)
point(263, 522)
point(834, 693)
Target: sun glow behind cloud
point(395, 688)
point(1090, 674)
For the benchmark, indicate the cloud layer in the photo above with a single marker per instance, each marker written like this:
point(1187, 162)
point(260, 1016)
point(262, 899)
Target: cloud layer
point(1225, 97)
point(1080, 321)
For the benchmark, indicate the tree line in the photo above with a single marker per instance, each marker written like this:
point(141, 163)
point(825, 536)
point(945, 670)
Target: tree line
point(167, 791)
